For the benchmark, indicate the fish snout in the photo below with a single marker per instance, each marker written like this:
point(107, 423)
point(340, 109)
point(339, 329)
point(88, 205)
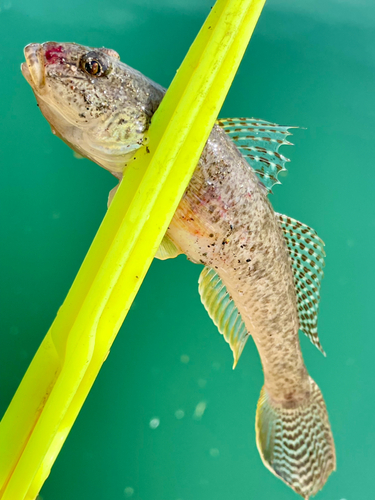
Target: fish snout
point(34, 68)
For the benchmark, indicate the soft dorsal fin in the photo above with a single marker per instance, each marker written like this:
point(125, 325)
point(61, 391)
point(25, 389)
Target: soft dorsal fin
point(259, 142)
point(167, 249)
point(307, 254)
point(223, 312)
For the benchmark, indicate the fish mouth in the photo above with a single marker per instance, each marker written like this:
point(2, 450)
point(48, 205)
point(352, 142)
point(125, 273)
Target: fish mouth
point(34, 67)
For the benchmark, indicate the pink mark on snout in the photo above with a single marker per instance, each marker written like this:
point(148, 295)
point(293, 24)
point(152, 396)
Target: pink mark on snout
point(54, 54)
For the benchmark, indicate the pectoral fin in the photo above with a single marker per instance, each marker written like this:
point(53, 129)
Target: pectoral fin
point(167, 250)
point(112, 194)
point(223, 311)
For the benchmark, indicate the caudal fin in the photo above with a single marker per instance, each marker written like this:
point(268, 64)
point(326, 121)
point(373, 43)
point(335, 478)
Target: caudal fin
point(296, 444)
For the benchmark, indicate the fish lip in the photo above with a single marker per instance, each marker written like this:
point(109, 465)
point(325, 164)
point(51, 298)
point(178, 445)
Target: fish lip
point(34, 68)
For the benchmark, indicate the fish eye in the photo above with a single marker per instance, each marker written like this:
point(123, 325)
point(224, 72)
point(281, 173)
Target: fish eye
point(95, 64)
point(93, 67)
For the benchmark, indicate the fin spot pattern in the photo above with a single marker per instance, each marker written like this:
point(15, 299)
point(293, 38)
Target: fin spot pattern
point(306, 251)
point(259, 142)
point(296, 444)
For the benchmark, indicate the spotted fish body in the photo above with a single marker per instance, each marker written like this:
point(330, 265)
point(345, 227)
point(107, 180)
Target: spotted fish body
point(237, 234)
point(262, 269)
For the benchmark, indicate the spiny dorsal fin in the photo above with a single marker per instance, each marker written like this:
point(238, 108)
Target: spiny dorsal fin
point(223, 312)
point(259, 142)
point(307, 254)
point(167, 250)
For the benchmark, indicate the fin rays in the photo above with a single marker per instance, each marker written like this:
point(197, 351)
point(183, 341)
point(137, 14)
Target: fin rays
point(258, 142)
point(167, 250)
point(306, 251)
point(223, 311)
point(297, 444)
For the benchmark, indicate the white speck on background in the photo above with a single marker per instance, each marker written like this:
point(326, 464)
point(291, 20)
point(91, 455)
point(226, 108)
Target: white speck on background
point(129, 491)
point(214, 452)
point(185, 359)
point(154, 423)
point(179, 414)
point(199, 410)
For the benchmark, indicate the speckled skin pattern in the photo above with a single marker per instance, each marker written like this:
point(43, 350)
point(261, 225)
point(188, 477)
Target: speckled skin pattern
point(103, 118)
point(224, 220)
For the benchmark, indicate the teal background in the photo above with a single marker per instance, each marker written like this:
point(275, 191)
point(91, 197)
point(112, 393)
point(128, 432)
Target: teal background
point(310, 64)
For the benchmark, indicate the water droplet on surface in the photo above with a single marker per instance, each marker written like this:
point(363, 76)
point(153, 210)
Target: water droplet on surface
point(154, 423)
point(129, 491)
point(199, 410)
point(179, 414)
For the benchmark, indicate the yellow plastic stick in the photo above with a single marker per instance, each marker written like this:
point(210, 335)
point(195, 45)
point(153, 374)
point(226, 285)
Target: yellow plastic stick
point(63, 370)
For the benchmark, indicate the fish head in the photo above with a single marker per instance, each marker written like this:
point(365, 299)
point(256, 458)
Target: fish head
point(95, 103)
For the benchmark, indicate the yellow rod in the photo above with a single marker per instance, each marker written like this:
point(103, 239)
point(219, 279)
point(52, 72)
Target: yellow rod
point(80, 337)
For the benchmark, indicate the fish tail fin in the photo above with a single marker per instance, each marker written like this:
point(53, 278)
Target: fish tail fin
point(296, 444)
